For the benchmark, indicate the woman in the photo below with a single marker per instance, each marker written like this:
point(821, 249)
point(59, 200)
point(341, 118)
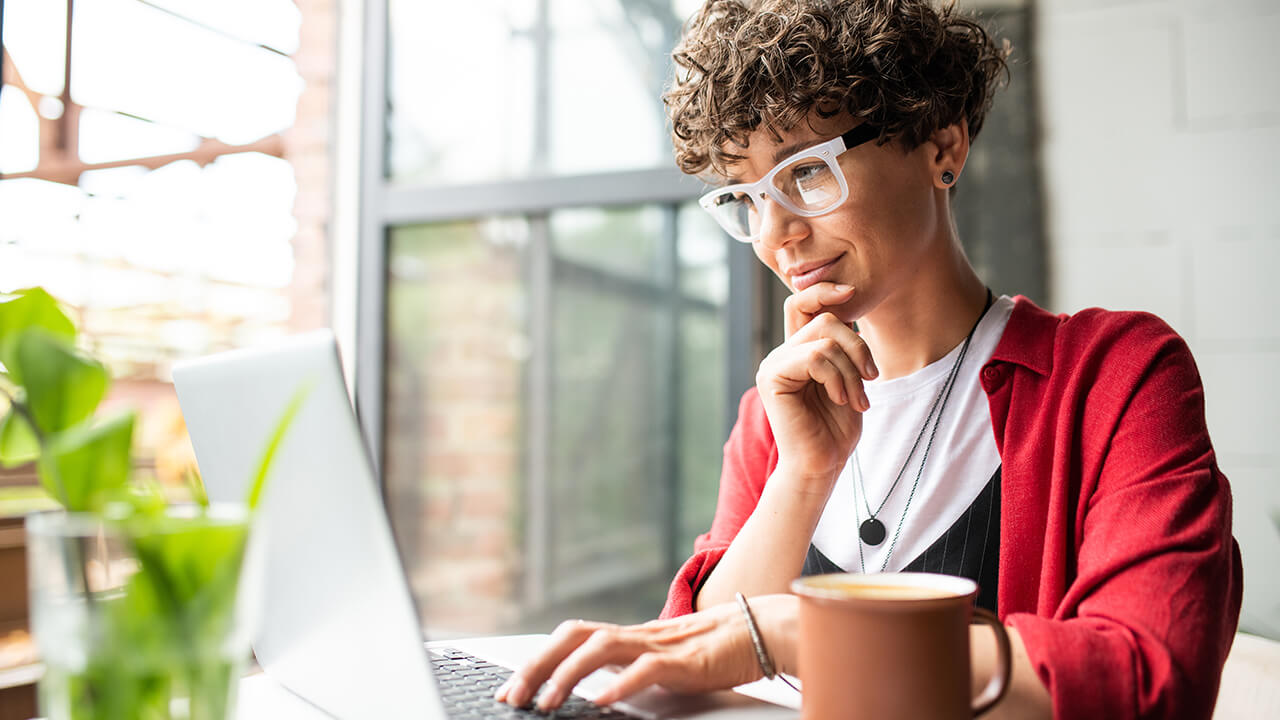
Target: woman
point(911, 420)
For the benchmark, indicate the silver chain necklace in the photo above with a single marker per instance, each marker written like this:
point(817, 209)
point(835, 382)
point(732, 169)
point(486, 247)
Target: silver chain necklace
point(872, 531)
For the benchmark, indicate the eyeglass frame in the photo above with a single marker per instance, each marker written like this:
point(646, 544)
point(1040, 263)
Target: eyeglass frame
point(828, 152)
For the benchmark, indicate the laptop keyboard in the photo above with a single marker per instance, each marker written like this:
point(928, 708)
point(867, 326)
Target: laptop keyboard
point(467, 684)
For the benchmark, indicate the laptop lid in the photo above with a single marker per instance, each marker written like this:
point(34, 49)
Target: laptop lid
point(338, 625)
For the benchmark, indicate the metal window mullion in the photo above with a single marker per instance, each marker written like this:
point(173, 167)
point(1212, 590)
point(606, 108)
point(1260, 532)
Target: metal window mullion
point(739, 318)
point(419, 203)
point(599, 280)
point(371, 290)
point(538, 430)
point(674, 302)
point(539, 546)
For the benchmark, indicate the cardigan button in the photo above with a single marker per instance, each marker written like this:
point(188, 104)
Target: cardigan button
point(992, 377)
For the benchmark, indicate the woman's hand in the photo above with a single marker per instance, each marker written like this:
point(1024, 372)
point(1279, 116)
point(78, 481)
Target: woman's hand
point(811, 387)
point(708, 650)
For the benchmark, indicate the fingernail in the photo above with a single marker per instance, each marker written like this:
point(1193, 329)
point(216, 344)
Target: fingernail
point(552, 697)
point(841, 287)
point(501, 693)
point(872, 369)
point(517, 693)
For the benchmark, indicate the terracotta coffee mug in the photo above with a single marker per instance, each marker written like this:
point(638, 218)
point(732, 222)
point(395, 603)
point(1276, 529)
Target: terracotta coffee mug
point(892, 645)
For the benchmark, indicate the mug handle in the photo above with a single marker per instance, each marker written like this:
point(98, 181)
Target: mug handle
point(999, 682)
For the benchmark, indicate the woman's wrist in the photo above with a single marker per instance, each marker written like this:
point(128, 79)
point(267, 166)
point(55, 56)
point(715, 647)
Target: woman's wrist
point(797, 478)
point(776, 618)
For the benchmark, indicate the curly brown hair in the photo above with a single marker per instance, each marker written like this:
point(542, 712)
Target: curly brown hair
point(904, 66)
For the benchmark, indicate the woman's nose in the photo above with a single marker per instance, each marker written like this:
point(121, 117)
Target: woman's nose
point(778, 225)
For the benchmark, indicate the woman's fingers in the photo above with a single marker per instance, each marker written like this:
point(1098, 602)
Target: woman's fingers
point(648, 669)
point(827, 325)
point(703, 651)
point(799, 308)
point(824, 361)
point(566, 638)
point(608, 646)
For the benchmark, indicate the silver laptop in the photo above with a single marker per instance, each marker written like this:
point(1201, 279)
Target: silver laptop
point(338, 626)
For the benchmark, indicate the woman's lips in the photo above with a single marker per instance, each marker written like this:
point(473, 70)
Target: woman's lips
point(813, 275)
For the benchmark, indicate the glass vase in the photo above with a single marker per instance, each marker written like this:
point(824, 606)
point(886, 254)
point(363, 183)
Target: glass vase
point(141, 618)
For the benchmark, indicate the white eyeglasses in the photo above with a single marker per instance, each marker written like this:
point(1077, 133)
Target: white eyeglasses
point(809, 183)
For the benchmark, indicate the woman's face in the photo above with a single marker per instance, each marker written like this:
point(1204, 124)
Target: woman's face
point(874, 240)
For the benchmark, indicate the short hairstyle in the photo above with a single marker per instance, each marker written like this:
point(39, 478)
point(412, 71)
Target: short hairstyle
point(904, 66)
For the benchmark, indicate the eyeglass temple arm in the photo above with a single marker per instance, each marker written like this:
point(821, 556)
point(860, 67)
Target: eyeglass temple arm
point(860, 134)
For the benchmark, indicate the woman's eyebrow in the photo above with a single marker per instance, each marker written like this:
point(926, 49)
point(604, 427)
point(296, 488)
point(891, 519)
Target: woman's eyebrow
point(779, 155)
point(787, 151)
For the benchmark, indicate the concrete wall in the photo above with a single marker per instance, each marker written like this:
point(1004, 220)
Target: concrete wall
point(1161, 153)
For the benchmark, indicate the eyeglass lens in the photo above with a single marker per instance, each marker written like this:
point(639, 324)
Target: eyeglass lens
point(808, 184)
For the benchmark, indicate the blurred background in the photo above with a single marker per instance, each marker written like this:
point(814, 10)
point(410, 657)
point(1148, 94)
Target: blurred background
point(546, 336)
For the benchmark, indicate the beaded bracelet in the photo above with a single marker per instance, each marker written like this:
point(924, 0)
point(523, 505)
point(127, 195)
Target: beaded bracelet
point(762, 655)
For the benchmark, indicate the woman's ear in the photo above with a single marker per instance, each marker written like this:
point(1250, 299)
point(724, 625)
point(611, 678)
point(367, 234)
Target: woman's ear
point(948, 148)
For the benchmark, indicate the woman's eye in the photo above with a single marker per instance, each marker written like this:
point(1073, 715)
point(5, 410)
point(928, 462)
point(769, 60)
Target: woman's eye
point(809, 173)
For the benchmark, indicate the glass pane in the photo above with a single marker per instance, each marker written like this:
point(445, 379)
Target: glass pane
point(626, 241)
point(163, 264)
point(609, 61)
point(613, 468)
point(39, 235)
point(704, 259)
point(549, 86)
point(35, 38)
point(139, 60)
point(453, 457)
point(271, 23)
point(19, 132)
point(158, 265)
point(462, 104)
point(107, 136)
point(704, 361)
point(611, 444)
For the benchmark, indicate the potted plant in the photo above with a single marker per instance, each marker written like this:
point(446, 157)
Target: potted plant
point(140, 608)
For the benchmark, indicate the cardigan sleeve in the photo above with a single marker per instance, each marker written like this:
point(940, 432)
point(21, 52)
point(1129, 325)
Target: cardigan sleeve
point(749, 457)
point(1145, 625)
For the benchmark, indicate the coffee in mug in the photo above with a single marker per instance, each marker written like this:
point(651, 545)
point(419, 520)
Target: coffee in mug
point(892, 645)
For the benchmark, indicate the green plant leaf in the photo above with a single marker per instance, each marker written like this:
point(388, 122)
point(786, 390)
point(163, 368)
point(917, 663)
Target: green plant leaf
point(33, 307)
point(81, 466)
point(282, 425)
point(141, 498)
point(18, 443)
point(195, 484)
point(63, 386)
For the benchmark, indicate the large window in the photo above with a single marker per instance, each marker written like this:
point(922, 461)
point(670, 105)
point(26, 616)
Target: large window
point(558, 326)
point(145, 181)
point(164, 171)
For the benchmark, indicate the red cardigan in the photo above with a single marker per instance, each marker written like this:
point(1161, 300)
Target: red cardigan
point(1117, 565)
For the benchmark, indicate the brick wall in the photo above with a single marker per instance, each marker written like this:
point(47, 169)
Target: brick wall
point(454, 425)
point(308, 148)
point(1161, 130)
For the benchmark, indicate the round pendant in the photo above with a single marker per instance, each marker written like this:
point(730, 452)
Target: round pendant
point(872, 531)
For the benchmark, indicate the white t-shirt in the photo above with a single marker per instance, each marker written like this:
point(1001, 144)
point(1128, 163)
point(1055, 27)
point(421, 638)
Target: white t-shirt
point(961, 461)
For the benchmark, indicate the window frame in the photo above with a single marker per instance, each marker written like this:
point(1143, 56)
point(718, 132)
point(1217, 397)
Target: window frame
point(362, 235)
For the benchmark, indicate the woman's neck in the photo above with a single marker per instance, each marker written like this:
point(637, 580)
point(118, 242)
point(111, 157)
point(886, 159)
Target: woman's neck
point(921, 323)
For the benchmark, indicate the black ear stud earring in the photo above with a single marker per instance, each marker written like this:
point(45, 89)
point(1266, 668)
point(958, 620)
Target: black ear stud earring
point(948, 177)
